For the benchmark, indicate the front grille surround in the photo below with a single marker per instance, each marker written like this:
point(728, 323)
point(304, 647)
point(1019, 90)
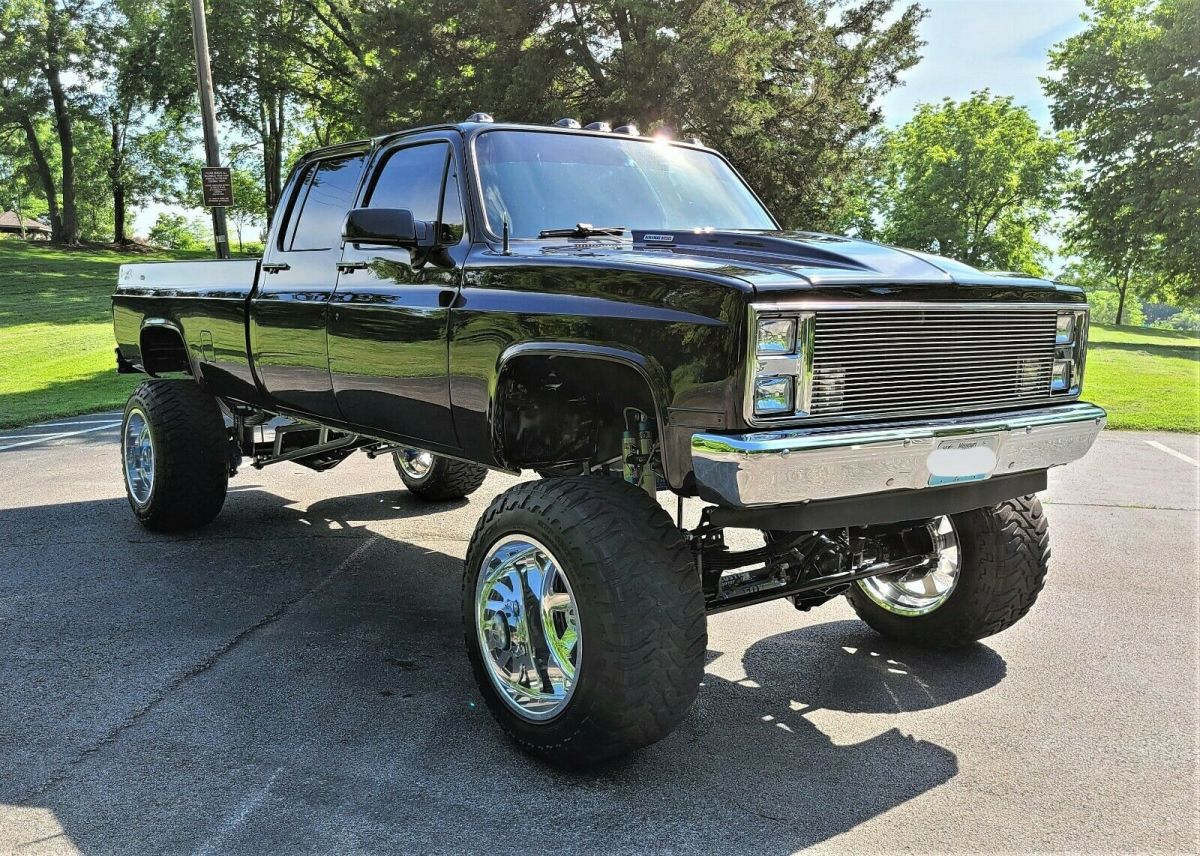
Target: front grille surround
point(881, 360)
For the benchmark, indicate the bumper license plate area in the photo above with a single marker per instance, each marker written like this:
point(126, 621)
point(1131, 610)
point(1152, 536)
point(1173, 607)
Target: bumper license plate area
point(962, 459)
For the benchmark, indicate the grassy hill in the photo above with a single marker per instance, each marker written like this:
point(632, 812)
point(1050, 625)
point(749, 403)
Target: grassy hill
point(56, 347)
point(56, 338)
point(1148, 379)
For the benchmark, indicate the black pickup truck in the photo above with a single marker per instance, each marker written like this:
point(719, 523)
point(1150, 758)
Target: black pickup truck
point(621, 316)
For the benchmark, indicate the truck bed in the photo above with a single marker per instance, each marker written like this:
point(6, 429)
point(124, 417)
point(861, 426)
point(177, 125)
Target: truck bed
point(202, 304)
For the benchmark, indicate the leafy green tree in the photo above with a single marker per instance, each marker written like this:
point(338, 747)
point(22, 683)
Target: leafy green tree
point(788, 91)
point(176, 232)
point(1128, 88)
point(1127, 286)
point(975, 180)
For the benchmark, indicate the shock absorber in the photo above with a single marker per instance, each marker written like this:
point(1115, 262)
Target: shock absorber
point(645, 452)
point(636, 453)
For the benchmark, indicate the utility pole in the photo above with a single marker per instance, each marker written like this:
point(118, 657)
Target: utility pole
point(208, 114)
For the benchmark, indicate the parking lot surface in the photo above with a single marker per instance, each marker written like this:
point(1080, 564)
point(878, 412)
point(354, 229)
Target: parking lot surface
point(292, 679)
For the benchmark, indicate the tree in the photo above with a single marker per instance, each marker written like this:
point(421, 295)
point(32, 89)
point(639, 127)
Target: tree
point(176, 232)
point(24, 97)
point(1128, 87)
point(788, 90)
point(974, 180)
point(1108, 295)
point(145, 85)
point(47, 54)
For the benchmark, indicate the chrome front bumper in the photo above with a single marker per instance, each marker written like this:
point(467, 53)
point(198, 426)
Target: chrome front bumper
point(798, 464)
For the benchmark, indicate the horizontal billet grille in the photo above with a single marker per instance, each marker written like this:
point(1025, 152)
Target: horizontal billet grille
point(888, 361)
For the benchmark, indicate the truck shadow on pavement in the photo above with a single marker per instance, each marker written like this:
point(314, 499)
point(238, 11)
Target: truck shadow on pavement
point(294, 680)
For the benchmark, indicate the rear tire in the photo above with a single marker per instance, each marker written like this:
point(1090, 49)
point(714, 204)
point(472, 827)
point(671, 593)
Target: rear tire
point(1003, 559)
point(636, 619)
point(175, 455)
point(437, 479)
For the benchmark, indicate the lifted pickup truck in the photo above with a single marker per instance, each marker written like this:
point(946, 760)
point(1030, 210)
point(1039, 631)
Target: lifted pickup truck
point(622, 316)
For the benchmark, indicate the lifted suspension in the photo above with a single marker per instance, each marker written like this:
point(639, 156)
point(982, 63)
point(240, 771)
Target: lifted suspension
point(808, 567)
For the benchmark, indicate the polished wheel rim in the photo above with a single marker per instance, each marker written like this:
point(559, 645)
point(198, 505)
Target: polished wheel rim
point(924, 589)
point(415, 463)
point(528, 627)
point(138, 452)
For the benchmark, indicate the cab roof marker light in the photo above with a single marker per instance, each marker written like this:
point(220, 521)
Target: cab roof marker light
point(630, 130)
point(480, 117)
point(598, 126)
point(567, 123)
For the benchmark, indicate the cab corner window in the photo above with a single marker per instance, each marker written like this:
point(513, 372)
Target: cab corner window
point(325, 196)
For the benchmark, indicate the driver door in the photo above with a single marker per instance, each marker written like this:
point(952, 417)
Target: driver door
point(390, 314)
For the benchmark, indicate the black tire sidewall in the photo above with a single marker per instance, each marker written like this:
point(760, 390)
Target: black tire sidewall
point(142, 510)
point(585, 589)
point(638, 624)
point(987, 568)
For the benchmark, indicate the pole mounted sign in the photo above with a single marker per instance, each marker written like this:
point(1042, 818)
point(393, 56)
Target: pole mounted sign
point(217, 186)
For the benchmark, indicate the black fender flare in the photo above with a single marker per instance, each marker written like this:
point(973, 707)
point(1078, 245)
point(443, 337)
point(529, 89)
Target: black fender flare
point(651, 373)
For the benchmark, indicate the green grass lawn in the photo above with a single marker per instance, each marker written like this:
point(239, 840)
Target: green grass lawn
point(1144, 378)
point(56, 347)
point(56, 337)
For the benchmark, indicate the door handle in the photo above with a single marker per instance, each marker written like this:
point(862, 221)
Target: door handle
point(350, 267)
point(275, 267)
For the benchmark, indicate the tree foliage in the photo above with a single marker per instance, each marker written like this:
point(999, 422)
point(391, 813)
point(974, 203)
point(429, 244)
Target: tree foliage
point(975, 180)
point(1128, 87)
point(788, 91)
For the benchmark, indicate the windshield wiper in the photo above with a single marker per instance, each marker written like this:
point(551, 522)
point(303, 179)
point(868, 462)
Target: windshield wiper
point(582, 230)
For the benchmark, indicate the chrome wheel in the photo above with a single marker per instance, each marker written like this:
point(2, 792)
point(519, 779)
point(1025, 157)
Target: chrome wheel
point(527, 624)
point(414, 463)
point(138, 453)
point(923, 590)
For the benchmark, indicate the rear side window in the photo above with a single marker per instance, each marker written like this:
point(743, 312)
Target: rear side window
point(325, 197)
point(412, 178)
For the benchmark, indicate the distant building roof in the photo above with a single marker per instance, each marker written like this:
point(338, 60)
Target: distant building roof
point(10, 222)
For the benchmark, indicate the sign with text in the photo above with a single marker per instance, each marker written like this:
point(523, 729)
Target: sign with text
point(217, 185)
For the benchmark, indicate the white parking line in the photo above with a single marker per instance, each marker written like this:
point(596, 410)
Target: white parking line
point(56, 436)
point(1171, 451)
point(72, 423)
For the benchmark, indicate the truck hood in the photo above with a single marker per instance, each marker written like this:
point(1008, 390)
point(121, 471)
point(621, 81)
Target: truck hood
point(778, 262)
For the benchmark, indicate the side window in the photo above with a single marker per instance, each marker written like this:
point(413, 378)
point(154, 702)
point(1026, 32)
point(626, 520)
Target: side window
point(412, 178)
point(327, 194)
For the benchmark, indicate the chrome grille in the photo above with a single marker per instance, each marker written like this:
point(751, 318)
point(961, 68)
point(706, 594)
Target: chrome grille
point(891, 361)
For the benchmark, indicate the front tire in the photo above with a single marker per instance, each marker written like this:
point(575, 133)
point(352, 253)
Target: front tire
point(584, 618)
point(1000, 558)
point(175, 455)
point(436, 479)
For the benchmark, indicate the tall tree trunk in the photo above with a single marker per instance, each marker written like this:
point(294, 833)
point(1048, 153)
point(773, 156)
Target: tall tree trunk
point(271, 132)
point(42, 167)
point(117, 184)
point(1124, 287)
point(62, 122)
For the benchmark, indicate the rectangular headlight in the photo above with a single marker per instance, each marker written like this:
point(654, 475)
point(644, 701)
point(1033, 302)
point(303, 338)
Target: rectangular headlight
point(1060, 378)
point(776, 336)
point(1070, 345)
point(773, 395)
point(1064, 331)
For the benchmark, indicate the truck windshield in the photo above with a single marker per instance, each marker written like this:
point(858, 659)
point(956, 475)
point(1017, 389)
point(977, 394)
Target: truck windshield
point(543, 181)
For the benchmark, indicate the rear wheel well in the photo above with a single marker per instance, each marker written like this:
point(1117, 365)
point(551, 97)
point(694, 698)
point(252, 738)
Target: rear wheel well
point(555, 411)
point(164, 351)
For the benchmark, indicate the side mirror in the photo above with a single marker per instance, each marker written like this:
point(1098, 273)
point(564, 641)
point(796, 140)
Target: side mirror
point(389, 227)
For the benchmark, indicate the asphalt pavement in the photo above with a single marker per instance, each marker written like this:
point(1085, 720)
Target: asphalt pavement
point(292, 679)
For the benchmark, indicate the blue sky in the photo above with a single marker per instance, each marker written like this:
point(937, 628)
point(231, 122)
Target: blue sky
point(973, 44)
point(970, 45)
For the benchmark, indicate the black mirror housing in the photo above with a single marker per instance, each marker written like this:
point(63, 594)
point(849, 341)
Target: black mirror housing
point(389, 227)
